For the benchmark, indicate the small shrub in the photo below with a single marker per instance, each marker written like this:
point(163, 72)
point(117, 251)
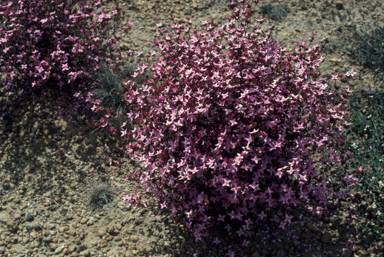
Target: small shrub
point(110, 89)
point(47, 44)
point(100, 193)
point(226, 134)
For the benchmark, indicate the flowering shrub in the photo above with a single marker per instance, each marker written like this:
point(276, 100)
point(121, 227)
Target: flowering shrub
point(45, 43)
point(224, 135)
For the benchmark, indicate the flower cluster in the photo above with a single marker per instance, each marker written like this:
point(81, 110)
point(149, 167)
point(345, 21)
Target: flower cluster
point(48, 43)
point(226, 134)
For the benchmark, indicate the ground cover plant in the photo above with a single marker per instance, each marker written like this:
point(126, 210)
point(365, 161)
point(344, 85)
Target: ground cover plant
point(52, 49)
point(47, 45)
point(223, 135)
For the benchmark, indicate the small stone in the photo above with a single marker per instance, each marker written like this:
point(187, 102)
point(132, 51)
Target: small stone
point(62, 229)
point(47, 239)
point(101, 232)
point(38, 163)
point(36, 227)
point(59, 249)
point(71, 248)
point(85, 253)
point(339, 4)
point(53, 246)
point(103, 244)
point(132, 247)
point(29, 217)
point(70, 232)
point(12, 227)
point(84, 220)
point(134, 239)
point(81, 248)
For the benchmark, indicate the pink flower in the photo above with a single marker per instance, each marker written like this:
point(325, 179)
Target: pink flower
point(189, 214)
point(231, 253)
point(284, 199)
point(239, 216)
point(163, 205)
point(240, 232)
point(262, 215)
point(288, 218)
point(334, 77)
point(6, 49)
point(245, 243)
point(221, 218)
point(226, 182)
point(248, 222)
point(235, 188)
point(198, 237)
point(216, 241)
